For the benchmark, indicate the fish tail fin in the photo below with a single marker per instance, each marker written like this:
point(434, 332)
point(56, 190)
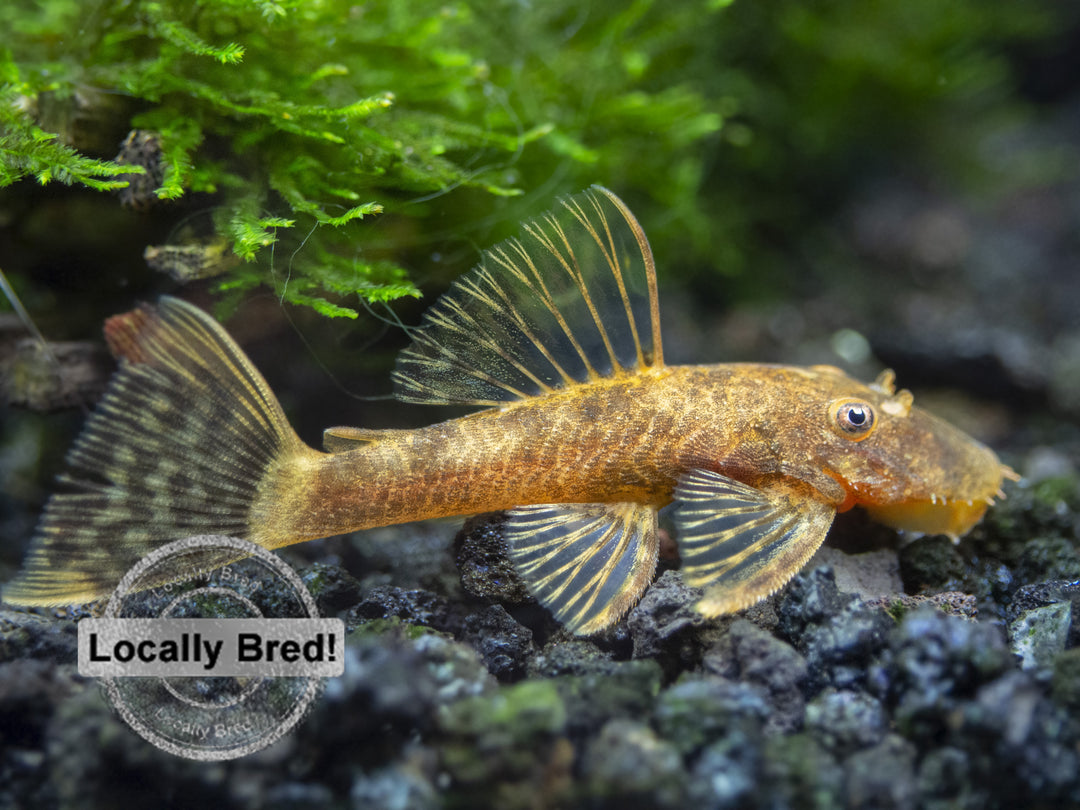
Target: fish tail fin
point(187, 440)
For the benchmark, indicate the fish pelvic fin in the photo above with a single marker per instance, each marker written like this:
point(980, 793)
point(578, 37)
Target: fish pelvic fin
point(571, 301)
point(742, 543)
point(184, 442)
point(588, 563)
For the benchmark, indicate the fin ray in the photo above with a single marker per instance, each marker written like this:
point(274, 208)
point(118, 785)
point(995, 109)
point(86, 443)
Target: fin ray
point(571, 301)
point(180, 445)
point(742, 543)
point(587, 563)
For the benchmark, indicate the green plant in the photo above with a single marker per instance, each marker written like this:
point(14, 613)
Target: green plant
point(287, 111)
point(729, 126)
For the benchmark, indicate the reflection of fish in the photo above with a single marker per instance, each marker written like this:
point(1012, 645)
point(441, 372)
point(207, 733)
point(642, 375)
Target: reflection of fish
point(584, 434)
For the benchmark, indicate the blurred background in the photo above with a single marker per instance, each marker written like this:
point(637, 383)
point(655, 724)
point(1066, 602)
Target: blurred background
point(852, 182)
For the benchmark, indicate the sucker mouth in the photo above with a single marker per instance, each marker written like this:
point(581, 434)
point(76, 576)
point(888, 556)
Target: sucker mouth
point(999, 494)
point(860, 496)
point(941, 500)
point(939, 514)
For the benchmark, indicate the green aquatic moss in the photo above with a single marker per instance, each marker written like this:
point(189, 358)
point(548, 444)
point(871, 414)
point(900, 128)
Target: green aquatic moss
point(287, 111)
point(321, 131)
point(28, 150)
point(504, 734)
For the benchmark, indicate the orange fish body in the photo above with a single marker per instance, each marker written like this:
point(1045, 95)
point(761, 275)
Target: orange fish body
point(584, 434)
point(629, 440)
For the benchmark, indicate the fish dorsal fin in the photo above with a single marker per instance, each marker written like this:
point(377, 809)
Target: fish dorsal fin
point(588, 563)
point(570, 301)
point(743, 543)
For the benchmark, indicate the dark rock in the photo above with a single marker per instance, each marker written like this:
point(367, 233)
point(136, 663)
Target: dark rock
point(30, 692)
point(811, 598)
point(665, 626)
point(844, 721)
point(503, 643)
point(931, 563)
point(570, 656)
point(24, 778)
point(992, 583)
point(727, 775)
point(1047, 509)
point(798, 772)
point(933, 663)
point(398, 788)
point(1048, 558)
point(332, 587)
point(954, 603)
point(616, 639)
point(882, 777)
point(1042, 594)
point(628, 765)
point(698, 711)
point(839, 636)
point(385, 685)
point(1065, 681)
point(413, 606)
point(944, 782)
point(839, 654)
point(749, 654)
point(30, 635)
point(298, 796)
point(455, 668)
point(511, 738)
point(482, 559)
point(96, 761)
point(271, 594)
point(622, 689)
point(1023, 746)
point(390, 691)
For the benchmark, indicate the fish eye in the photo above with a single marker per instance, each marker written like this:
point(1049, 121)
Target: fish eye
point(854, 419)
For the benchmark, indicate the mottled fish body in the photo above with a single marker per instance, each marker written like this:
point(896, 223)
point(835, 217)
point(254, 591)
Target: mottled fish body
point(583, 435)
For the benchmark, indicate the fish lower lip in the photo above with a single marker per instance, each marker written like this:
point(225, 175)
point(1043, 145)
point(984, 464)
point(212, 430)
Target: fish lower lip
point(938, 516)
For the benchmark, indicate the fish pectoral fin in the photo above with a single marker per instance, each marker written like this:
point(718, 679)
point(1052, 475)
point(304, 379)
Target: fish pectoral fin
point(742, 543)
point(571, 301)
point(588, 563)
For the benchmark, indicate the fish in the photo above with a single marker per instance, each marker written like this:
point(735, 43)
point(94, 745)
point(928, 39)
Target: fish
point(582, 434)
